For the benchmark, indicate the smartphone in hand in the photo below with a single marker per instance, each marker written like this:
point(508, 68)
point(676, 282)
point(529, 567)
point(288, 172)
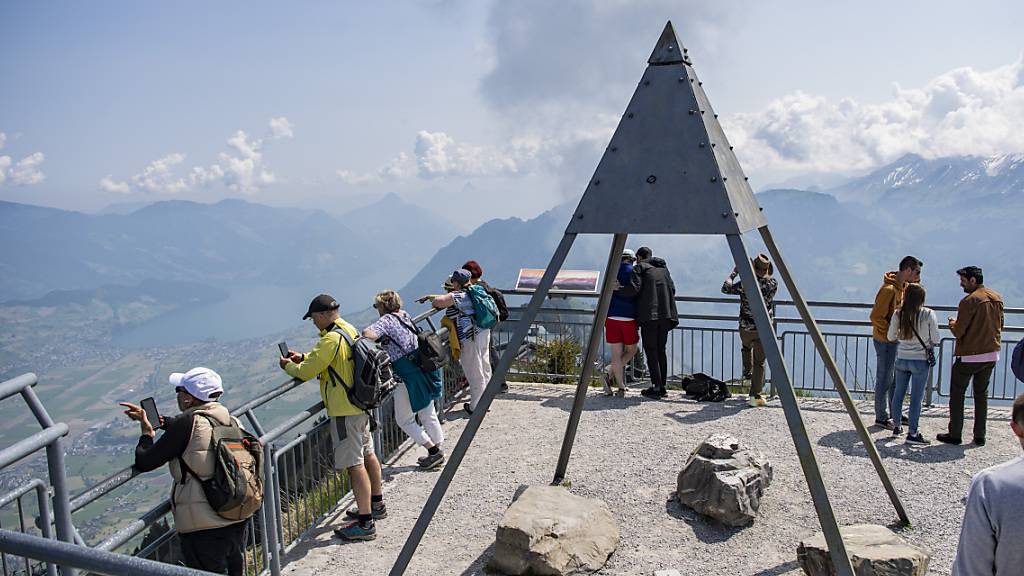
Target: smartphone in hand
point(152, 414)
point(283, 348)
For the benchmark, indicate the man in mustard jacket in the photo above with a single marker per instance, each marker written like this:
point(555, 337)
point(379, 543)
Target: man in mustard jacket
point(350, 426)
point(887, 300)
point(978, 328)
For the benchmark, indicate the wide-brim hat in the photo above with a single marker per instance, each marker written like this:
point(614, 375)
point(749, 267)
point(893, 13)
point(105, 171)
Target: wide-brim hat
point(762, 265)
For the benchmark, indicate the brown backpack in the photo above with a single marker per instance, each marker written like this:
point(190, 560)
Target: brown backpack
point(235, 490)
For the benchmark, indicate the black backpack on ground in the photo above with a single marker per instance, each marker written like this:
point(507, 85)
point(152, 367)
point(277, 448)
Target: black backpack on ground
point(704, 388)
point(499, 301)
point(430, 353)
point(372, 374)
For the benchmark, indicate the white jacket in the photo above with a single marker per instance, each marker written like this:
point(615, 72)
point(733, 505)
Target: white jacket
point(927, 328)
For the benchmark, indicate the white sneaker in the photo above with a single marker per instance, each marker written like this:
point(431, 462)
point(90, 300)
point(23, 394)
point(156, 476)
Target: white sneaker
point(755, 401)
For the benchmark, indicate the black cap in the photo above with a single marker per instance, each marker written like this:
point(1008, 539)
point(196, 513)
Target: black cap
point(321, 303)
point(971, 272)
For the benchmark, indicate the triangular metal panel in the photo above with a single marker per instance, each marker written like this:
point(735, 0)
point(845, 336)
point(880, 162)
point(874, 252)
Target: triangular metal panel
point(668, 50)
point(669, 168)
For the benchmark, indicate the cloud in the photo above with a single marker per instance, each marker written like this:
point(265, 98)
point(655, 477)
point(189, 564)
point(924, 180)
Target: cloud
point(24, 172)
point(108, 184)
point(401, 167)
point(241, 170)
point(281, 127)
point(961, 112)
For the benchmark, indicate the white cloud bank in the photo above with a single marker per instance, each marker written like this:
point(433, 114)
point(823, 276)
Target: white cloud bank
point(243, 170)
point(24, 172)
point(961, 112)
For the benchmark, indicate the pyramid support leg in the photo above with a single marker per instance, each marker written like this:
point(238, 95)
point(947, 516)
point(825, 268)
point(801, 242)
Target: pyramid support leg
point(497, 377)
point(610, 274)
point(795, 421)
point(833, 370)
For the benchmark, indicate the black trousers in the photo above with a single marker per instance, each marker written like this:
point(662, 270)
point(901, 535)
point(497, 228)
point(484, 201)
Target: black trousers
point(218, 550)
point(655, 340)
point(960, 376)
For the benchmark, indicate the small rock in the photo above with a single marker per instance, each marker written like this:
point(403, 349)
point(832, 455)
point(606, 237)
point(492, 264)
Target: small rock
point(874, 551)
point(724, 480)
point(547, 530)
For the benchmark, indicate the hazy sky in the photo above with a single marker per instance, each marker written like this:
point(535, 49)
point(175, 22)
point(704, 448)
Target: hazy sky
point(485, 109)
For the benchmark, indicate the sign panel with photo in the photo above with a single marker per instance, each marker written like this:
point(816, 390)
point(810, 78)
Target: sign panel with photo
point(566, 281)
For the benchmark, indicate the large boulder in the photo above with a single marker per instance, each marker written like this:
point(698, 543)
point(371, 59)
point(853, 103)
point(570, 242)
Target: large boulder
point(547, 530)
point(874, 551)
point(724, 480)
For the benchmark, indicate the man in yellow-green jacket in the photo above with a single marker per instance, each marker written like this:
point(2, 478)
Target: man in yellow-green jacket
point(330, 359)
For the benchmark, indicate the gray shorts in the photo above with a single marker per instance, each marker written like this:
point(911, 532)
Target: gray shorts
point(352, 440)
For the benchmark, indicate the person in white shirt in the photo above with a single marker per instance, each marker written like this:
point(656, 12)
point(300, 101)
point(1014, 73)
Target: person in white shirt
point(916, 329)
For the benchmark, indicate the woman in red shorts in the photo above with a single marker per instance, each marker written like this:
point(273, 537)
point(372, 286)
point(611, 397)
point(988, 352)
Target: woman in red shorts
point(620, 330)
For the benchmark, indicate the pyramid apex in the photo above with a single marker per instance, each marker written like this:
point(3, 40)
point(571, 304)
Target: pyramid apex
point(668, 50)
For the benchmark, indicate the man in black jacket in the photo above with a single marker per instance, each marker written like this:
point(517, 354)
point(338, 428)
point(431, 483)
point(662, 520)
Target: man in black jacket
point(656, 314)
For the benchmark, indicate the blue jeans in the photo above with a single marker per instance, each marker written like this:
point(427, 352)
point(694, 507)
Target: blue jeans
point(885, 360)
point(914, 372)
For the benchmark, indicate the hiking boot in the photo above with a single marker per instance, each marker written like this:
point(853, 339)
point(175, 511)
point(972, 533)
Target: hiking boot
point(353, 531)
point(379, 512)
point(979, 441)
point(653, 392)
point(755, 401)
point(946, 438)
point(431, 461)
point(916, 439)
point(887, 424)
point(606, 380)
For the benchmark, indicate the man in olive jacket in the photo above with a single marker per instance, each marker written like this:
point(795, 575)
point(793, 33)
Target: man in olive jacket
point(978, 328)
point(656, 315)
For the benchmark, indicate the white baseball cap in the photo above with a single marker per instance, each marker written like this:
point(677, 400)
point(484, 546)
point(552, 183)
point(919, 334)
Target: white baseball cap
point(200, 382)
point(627, 253)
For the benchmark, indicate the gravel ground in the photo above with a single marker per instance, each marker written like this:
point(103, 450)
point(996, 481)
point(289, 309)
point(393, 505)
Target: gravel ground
point(628, 452)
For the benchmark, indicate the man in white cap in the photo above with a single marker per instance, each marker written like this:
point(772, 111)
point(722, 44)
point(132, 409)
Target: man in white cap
point(208, 541)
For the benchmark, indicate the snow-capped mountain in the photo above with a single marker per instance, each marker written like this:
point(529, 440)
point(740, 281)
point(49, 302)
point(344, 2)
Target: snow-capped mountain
point(938, 182)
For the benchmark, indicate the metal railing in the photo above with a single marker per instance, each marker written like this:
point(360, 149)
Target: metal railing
point(301, 485)
point(708, 341)
point(301, 488)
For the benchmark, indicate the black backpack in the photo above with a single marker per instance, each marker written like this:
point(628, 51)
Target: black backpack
point(499, 301)
point(372, 375)
point(430, 353)
point(1017, 361)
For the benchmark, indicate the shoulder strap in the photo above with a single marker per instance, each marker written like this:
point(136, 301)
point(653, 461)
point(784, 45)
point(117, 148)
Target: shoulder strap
point(412, 327)
point(185, 468)
point(913, 327)
point(351, 344)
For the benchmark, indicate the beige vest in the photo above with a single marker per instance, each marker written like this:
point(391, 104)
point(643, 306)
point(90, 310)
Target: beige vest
point(188, 502)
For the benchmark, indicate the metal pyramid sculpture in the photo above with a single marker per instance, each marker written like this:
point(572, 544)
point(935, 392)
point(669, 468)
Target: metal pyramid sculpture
point(670, 170)
point(668, 151)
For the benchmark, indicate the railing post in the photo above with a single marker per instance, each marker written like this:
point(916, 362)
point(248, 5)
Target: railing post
point(270, 526)
point(378, 435)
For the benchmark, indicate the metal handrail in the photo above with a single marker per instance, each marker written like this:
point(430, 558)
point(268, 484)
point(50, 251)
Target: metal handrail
point(91, 559)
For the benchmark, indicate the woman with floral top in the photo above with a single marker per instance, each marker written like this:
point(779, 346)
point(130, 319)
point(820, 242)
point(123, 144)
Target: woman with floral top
point(416, 395)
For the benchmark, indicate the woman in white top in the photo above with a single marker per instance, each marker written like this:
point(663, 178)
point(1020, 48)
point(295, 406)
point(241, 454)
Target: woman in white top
point(917, 330)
